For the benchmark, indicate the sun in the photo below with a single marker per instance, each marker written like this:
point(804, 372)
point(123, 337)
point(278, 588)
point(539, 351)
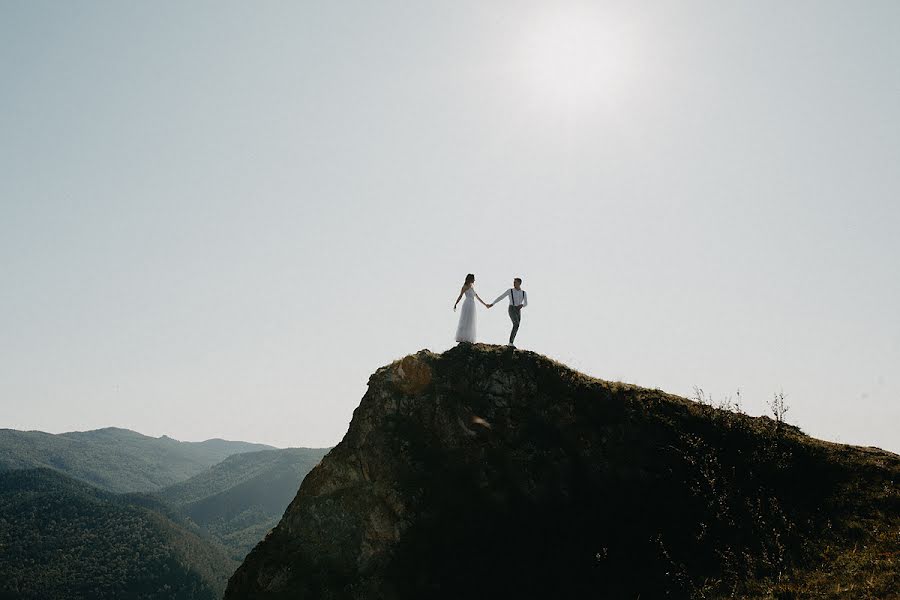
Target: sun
point(577, 58)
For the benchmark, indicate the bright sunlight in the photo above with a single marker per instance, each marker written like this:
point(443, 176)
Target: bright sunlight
point(577, 59)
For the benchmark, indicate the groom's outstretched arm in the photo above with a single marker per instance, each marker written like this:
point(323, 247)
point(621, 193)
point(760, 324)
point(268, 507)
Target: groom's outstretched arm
point(500, 297)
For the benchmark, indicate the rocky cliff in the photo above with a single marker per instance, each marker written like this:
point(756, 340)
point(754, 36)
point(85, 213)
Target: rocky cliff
point(488, 472)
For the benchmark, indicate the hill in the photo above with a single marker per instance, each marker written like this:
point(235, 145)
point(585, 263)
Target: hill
point(63, 539)
point(118, 460)
point(240, 499)
point(485, 472)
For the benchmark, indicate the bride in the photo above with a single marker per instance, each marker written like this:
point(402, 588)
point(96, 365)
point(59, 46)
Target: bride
point(465, 331)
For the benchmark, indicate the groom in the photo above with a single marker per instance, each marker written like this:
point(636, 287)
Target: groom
point(518, 300)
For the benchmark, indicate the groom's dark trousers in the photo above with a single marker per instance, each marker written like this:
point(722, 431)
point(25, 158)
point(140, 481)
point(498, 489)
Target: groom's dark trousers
point(515, 315)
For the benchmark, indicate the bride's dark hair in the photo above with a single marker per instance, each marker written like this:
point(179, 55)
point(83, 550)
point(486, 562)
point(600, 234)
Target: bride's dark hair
point(470, 278)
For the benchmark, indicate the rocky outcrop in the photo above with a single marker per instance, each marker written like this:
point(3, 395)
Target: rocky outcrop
point(491, 472)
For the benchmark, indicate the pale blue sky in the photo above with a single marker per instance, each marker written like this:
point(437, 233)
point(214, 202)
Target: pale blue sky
point(218, 218)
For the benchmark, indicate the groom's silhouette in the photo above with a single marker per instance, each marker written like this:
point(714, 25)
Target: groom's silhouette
point(518, 299)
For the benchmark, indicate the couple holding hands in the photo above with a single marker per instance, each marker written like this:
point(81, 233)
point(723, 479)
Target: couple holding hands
point(518, 299)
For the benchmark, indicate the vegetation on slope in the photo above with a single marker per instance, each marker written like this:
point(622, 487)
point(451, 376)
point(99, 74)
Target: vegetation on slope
point(240, 499)
point(63, 539)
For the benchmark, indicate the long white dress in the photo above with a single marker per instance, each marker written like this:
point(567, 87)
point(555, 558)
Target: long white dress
point(465, 331)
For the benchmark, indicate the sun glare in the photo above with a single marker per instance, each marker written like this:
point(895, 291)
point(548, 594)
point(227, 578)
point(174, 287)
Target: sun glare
point(577, 60)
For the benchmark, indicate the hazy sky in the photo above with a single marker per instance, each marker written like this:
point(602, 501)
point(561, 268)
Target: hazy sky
point(217, 219)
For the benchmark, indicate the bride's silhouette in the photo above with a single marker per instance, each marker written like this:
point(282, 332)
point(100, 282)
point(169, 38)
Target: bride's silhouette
point(465, 331)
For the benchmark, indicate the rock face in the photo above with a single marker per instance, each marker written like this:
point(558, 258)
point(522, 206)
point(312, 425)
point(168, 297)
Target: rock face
point(488, 472)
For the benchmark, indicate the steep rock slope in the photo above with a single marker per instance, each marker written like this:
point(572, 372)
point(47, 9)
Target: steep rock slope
point(490, 473)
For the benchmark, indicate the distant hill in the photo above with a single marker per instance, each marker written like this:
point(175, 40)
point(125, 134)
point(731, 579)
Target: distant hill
point(118, 460)
point(240, 499)
point(63, 539)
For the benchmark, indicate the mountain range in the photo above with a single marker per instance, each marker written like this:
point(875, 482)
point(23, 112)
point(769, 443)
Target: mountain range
point(116, 460)
point(112, 513)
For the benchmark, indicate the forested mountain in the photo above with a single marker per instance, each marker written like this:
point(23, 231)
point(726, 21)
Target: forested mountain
point(238, 500)
point(63, 539)
point(114, 459)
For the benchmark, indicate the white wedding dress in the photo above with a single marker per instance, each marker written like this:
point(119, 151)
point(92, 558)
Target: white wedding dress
point(465, 331)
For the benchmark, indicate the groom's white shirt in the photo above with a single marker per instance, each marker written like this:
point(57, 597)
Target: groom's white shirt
point(516, 297)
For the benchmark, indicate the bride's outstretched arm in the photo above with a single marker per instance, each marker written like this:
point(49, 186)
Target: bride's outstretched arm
point(482, 301)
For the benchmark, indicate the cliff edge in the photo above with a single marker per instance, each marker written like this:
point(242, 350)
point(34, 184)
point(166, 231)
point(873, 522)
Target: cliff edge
point(494, 473)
